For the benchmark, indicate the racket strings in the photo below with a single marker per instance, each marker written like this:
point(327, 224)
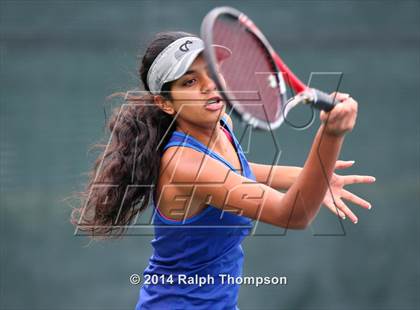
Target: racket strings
point(249, 72)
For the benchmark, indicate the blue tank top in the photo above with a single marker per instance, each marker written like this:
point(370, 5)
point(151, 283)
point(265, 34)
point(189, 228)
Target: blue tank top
point(200, 248)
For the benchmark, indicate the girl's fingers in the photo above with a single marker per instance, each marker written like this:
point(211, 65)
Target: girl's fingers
point(323, 116)
point(336, 210)
point(352, 179)
point(355, 199)
point(346, 210)
point(344, 164)
point(340, 96)
point(342, 118)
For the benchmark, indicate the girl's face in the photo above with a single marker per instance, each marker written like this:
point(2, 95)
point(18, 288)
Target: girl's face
point(195, 99)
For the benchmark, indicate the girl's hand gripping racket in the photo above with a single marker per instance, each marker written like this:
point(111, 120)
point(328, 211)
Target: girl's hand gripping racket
point(252, 79)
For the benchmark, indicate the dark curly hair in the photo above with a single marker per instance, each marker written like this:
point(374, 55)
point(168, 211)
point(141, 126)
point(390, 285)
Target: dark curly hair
point(119, 185)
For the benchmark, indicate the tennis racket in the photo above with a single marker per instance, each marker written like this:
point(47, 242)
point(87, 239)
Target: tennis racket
point(252, 79)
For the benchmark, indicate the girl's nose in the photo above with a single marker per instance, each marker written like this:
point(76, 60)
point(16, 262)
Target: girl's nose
point(208, 85)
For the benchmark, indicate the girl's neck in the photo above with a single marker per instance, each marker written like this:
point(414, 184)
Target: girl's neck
point(210, 136)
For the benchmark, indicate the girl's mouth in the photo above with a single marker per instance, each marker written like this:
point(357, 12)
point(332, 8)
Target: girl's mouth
point(214, 104)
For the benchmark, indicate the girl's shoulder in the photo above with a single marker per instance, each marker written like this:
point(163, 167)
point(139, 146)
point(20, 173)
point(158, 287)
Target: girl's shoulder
point(175, 160)
point(178, 166)
point(185, 163)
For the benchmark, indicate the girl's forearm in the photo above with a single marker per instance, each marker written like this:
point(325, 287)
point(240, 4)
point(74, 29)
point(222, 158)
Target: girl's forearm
point(303, 199)
point(278, 177)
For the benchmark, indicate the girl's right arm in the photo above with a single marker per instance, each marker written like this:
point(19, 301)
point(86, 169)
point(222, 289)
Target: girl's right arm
point(205, 180)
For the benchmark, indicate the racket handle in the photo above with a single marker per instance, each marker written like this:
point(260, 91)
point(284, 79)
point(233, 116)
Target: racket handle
point(322, 101)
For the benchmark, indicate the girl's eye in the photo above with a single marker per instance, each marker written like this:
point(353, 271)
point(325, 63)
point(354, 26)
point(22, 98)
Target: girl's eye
point(189, 82)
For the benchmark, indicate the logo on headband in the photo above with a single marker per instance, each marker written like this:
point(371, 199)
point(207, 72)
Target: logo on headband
point(184, 47)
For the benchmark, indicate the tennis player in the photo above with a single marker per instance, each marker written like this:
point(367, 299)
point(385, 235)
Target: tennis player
point(205, 193)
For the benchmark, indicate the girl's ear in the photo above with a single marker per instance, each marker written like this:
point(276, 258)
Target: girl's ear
point(164, 104)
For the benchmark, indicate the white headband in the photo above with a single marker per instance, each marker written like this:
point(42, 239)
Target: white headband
point(174, 61)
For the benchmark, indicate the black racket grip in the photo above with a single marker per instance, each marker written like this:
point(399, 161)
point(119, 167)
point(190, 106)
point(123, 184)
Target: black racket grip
point(322, 101)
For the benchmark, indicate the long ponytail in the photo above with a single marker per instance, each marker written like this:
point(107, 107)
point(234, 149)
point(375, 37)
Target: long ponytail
point(122, 180)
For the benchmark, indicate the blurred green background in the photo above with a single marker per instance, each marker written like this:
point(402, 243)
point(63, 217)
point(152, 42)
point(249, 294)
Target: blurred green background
point(60, 60)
